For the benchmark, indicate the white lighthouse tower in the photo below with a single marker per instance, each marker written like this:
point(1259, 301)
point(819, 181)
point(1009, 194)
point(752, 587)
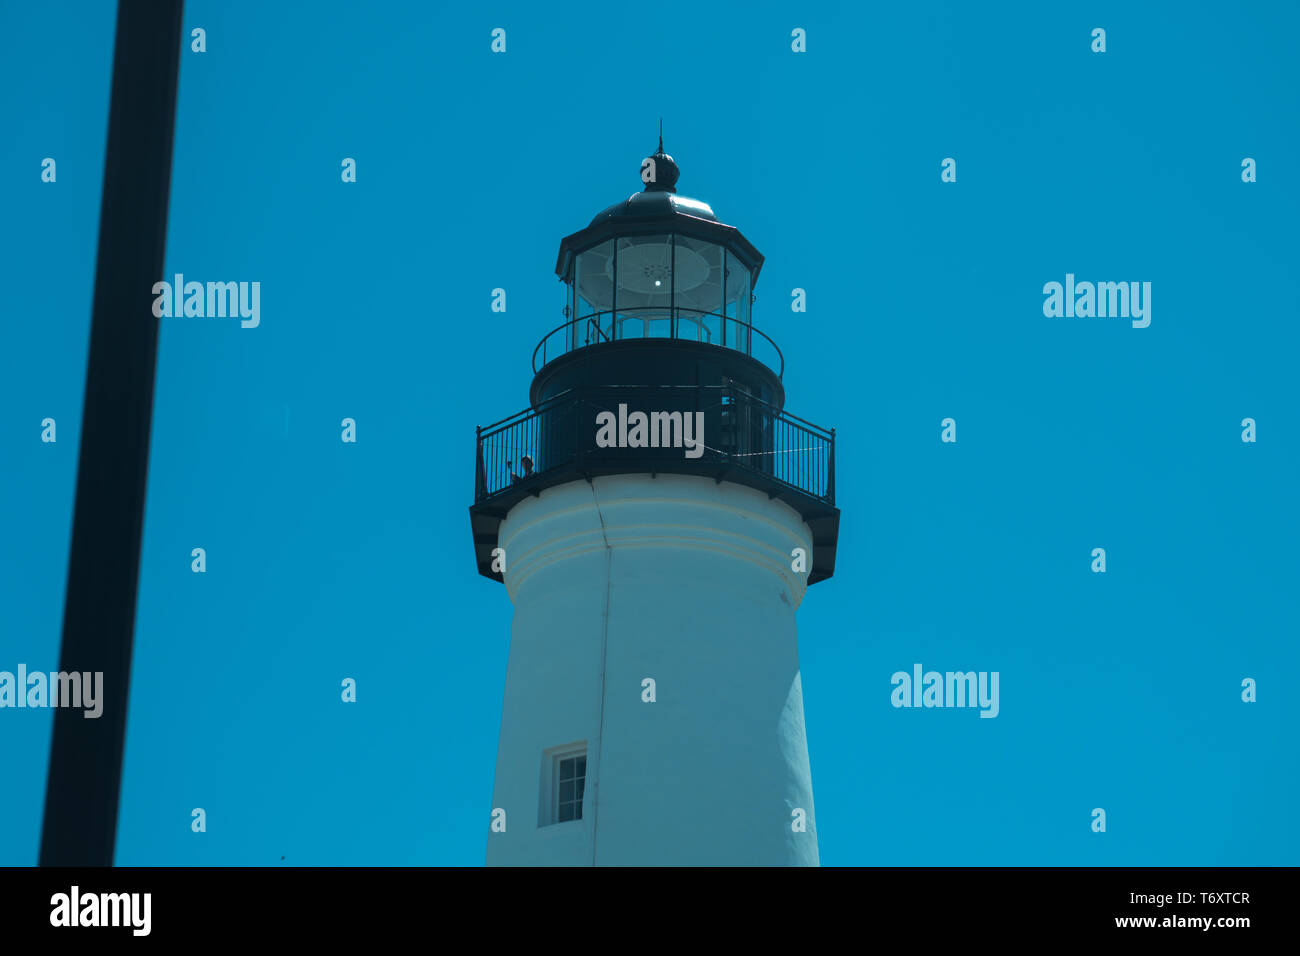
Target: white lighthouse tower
point(656, 517)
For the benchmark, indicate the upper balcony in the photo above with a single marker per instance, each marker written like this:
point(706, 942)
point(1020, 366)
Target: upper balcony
point(739, 438)
point(683, 324)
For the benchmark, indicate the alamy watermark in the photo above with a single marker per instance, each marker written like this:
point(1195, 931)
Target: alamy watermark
point(75, 908)
point(216, 300)
point(1102, 300)
point(55, 689)
point(950, 689)
point(655, 430)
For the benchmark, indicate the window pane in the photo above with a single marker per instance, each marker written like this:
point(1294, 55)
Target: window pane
point(645, 275)
point(566, 790)
point(738, 291)
point(643, 291)
point(737, 283)
point(594, 279)
point(697, 276)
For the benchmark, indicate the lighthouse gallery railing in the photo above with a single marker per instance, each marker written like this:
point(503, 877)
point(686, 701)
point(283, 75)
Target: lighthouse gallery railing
point(753, 439)
point(711, 328)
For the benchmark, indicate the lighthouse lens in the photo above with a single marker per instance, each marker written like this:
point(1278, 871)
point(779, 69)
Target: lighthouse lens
point(657, 286)
point(645, 267)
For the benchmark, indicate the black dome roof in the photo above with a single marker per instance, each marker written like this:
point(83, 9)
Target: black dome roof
point(647, 205)
point(658, 209)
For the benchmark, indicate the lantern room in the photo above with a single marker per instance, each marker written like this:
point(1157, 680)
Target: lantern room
point(661, 271)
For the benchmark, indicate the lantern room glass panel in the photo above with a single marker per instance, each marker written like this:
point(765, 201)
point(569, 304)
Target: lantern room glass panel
point(697, 289)
point(593, 285)
point(644, 284)
point(737, 284)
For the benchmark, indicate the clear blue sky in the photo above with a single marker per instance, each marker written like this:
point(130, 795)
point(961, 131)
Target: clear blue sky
point(328, 560)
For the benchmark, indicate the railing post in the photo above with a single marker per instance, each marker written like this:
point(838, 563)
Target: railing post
point(830, 468)
point(480, 477)
point(733, 410)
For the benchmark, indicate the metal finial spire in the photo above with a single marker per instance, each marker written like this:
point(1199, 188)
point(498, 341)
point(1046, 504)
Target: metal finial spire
point(666, 171)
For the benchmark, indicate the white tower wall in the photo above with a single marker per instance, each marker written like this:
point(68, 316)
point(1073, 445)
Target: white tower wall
point(686, 581)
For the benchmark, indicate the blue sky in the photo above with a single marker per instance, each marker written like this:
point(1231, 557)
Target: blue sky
point(328, 560)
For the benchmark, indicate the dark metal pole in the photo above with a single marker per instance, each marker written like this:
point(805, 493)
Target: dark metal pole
point(81, 795)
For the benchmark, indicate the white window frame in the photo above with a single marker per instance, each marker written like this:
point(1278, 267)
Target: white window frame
point(549, 809)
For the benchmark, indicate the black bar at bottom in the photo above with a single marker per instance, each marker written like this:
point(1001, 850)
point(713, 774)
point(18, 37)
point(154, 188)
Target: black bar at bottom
point(978, 907)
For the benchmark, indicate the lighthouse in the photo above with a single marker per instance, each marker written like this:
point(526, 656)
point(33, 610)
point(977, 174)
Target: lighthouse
point(656, 516)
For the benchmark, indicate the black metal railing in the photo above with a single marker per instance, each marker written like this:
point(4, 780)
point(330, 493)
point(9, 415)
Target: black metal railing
point(711, 328)
point(563, 436)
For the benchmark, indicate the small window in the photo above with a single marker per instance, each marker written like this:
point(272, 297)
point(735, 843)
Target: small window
point(570, 780)
point(564, 784)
